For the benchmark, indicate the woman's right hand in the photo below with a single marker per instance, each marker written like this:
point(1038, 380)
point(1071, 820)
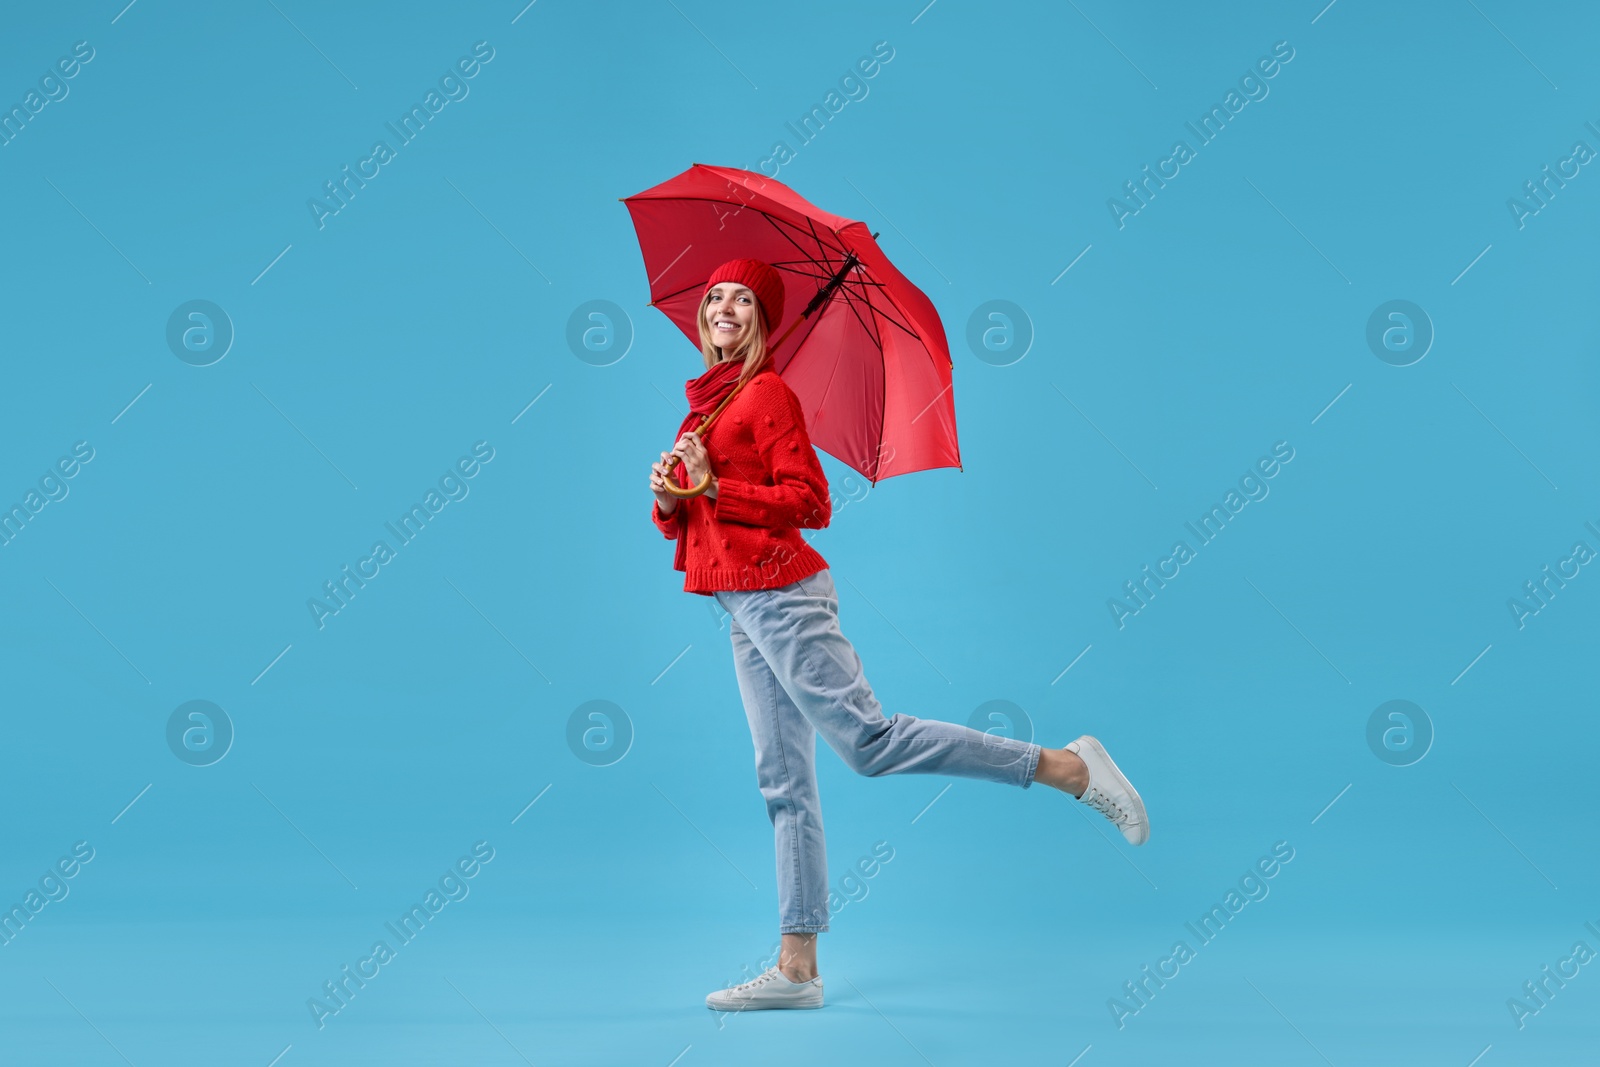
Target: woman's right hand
point(658, 485)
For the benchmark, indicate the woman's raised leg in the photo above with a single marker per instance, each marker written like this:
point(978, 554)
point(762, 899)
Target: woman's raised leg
point(795, 631)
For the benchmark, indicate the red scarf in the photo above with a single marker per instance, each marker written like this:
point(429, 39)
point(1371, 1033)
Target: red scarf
point(704, 394)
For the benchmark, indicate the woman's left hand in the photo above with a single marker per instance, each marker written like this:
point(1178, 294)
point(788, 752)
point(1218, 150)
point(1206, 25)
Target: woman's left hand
point(692, 453)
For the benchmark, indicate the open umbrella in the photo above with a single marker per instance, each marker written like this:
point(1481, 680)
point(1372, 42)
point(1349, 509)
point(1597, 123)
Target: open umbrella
point(865, 353)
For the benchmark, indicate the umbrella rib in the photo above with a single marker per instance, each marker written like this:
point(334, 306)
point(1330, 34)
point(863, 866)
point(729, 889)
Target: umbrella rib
point(890, 319)
point(873, 330)
point(883, 382)
point(890, 304)
point(811, 227)
point(779, 227)
point(868, 323)
point(877, 337)
point(833, 372)
point(883, 400)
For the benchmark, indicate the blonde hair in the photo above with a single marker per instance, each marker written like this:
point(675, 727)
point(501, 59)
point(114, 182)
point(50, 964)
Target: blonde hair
point(754, 352)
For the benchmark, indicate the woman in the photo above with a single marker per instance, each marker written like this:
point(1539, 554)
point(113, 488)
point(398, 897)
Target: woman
point(798, 675)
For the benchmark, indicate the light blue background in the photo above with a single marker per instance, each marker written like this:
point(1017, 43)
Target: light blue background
point(427, 714)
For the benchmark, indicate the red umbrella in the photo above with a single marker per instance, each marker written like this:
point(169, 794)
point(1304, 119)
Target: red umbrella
point(871, 366)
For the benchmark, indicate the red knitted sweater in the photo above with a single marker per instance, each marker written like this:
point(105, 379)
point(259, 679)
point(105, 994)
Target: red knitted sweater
point(770, 485)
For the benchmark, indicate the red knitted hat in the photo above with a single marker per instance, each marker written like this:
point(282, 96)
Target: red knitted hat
point(760, 279)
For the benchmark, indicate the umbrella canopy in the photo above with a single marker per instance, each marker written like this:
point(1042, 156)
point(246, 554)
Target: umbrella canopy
point(871, 367)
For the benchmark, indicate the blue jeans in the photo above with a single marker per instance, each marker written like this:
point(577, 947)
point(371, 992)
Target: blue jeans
point(799, 676)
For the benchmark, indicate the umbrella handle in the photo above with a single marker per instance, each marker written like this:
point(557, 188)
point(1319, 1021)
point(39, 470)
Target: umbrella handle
point(693, 490)
point(673, 460)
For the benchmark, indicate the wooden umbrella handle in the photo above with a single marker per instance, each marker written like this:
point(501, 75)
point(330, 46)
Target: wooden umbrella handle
point(693, 490)
point(674, 459)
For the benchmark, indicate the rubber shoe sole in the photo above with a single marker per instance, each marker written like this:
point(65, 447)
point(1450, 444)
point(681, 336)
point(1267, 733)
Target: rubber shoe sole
point(769, 989)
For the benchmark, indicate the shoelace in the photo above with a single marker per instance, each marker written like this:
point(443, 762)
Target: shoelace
point(766, 976)
point(1106, 806)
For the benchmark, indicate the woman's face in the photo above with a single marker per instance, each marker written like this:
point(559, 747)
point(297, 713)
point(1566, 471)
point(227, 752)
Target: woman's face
point(730, 312)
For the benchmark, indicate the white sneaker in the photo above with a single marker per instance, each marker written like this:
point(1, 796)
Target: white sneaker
point(1110, 793)
point(769, 989)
